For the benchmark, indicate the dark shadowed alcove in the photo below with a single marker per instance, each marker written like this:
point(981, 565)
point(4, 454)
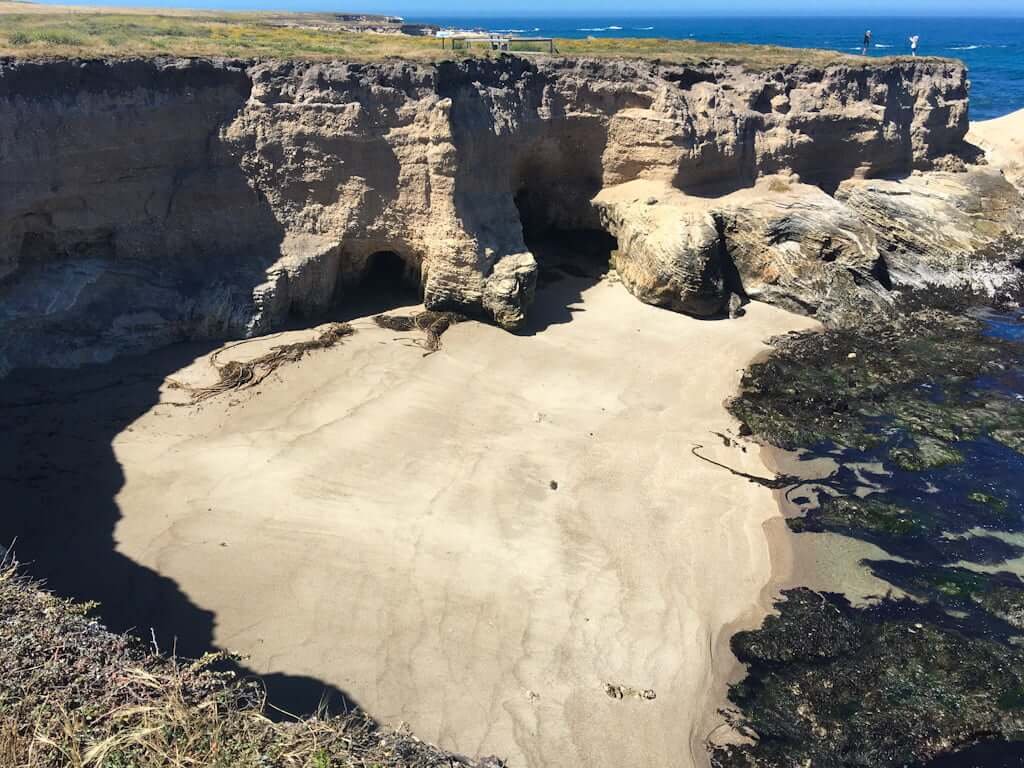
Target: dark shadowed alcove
point(387, 281)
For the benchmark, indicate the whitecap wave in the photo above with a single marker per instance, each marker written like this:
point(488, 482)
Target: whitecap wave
point(643, 29)
point(966, 47)
point(879, 45)
point(614, 27)
point(592, 29)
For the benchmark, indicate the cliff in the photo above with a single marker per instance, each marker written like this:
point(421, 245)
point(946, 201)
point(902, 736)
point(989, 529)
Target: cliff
point(146, 201)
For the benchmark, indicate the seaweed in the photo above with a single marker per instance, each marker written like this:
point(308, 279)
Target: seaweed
point(853, 388)
point(236, 374)
point(931, 399)
point(431, 323)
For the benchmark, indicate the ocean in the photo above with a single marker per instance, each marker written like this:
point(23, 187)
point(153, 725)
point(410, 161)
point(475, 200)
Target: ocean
point(992, 48)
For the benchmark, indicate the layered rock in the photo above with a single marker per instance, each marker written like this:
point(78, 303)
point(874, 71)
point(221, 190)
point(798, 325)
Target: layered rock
point(835, 257)
point(148, 201)
point(943, 229)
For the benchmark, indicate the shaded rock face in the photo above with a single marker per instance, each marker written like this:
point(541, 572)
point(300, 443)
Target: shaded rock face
point(149, 201)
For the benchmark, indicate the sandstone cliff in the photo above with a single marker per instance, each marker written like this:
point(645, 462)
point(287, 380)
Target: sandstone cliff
point(143, 202)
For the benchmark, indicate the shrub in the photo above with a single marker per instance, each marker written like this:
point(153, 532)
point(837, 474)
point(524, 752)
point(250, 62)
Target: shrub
point(58, 37)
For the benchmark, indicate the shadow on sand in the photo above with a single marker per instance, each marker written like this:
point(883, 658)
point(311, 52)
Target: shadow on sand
point(58, 490)
point(569, 263)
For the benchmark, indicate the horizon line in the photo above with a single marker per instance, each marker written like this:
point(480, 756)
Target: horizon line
point(520, 15)
point(708, 16)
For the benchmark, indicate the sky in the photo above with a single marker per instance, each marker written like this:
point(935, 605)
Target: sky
point(614, 8)
point(698, 7)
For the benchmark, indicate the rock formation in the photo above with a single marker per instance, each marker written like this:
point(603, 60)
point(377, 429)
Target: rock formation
point(150, 201)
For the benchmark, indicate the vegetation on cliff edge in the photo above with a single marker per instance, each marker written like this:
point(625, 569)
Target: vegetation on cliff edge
point(30, 31)
point(74, 694)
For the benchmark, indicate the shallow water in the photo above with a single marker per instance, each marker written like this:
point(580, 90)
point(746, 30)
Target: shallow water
point(929, 505)
point(968, 502)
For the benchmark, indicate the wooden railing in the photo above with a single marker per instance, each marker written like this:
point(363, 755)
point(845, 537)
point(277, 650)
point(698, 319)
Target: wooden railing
point(497, 42)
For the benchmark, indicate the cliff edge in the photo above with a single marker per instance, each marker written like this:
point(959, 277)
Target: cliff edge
point(148, 201)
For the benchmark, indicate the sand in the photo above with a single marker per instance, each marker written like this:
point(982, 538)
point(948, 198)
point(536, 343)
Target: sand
point(388, 523)
point(1002, 139)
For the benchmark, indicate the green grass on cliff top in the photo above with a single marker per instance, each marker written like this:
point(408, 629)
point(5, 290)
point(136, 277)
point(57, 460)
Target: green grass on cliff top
point(37, 31)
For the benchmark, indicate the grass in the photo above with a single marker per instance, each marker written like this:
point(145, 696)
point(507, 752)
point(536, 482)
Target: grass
point(34, 31)
point(76, 696)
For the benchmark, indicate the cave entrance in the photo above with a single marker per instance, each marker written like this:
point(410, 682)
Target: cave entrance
point(387, 281)
point(573, 252)
point(565, 241)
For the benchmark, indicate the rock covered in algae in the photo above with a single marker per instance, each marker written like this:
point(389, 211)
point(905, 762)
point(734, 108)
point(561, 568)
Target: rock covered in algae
point(930, 402)
point(832, 685)
point(915, 376)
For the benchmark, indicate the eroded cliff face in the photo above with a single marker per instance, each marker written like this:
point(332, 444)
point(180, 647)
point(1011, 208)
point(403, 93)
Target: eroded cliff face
point(149, 201)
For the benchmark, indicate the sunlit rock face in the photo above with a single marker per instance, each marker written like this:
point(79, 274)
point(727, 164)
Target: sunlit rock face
point(151, 201)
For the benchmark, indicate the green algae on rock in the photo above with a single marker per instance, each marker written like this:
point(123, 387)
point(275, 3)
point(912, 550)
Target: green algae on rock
point(833, 685)
point(992, 602)
point(933, 404)
point(933, 532)
point(854, 388)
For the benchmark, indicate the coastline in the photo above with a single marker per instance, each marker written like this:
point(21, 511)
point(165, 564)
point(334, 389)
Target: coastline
point(536, 544)
point(823, 562)
point(912, 542)
point(490, 618)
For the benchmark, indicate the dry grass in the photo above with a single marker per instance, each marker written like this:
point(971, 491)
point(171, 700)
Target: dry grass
point(34, 31)
point(237, 374)
point(432, 324)
point(119, 33)
point(73, 695)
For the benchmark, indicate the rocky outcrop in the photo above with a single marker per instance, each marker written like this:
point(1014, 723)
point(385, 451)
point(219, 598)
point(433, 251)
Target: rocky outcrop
point(148, 201)
point(837, 257)
point(669, 246)
point(943, 229)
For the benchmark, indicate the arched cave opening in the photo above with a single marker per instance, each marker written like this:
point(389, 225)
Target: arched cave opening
point(564, 233)
point(553, 181)
point(386, 281)
point(385, 272)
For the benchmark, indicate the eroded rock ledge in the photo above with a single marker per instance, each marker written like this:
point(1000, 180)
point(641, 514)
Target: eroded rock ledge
point(143, 202)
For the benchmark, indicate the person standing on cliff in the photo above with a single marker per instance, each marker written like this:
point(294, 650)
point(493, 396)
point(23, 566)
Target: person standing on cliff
point(913, 44)
point(867, 43)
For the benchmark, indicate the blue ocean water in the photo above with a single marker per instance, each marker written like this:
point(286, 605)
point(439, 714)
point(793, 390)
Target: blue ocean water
point(992, 48)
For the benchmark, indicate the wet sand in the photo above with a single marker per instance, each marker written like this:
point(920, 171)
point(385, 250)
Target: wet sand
point(822, 561)
point(477, 541)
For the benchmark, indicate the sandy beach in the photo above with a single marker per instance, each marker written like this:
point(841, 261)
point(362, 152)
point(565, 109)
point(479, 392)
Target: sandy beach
point(1002, 139)
point(474, 542)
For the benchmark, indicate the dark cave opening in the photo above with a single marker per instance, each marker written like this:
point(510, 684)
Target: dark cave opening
point(553, 180)
point(574, 246)
point(573, 252)
point(387, 281)
point(386, 272)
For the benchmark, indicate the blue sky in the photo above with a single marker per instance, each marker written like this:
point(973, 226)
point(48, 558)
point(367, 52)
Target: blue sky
point(701, 7)
point(615, 8)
